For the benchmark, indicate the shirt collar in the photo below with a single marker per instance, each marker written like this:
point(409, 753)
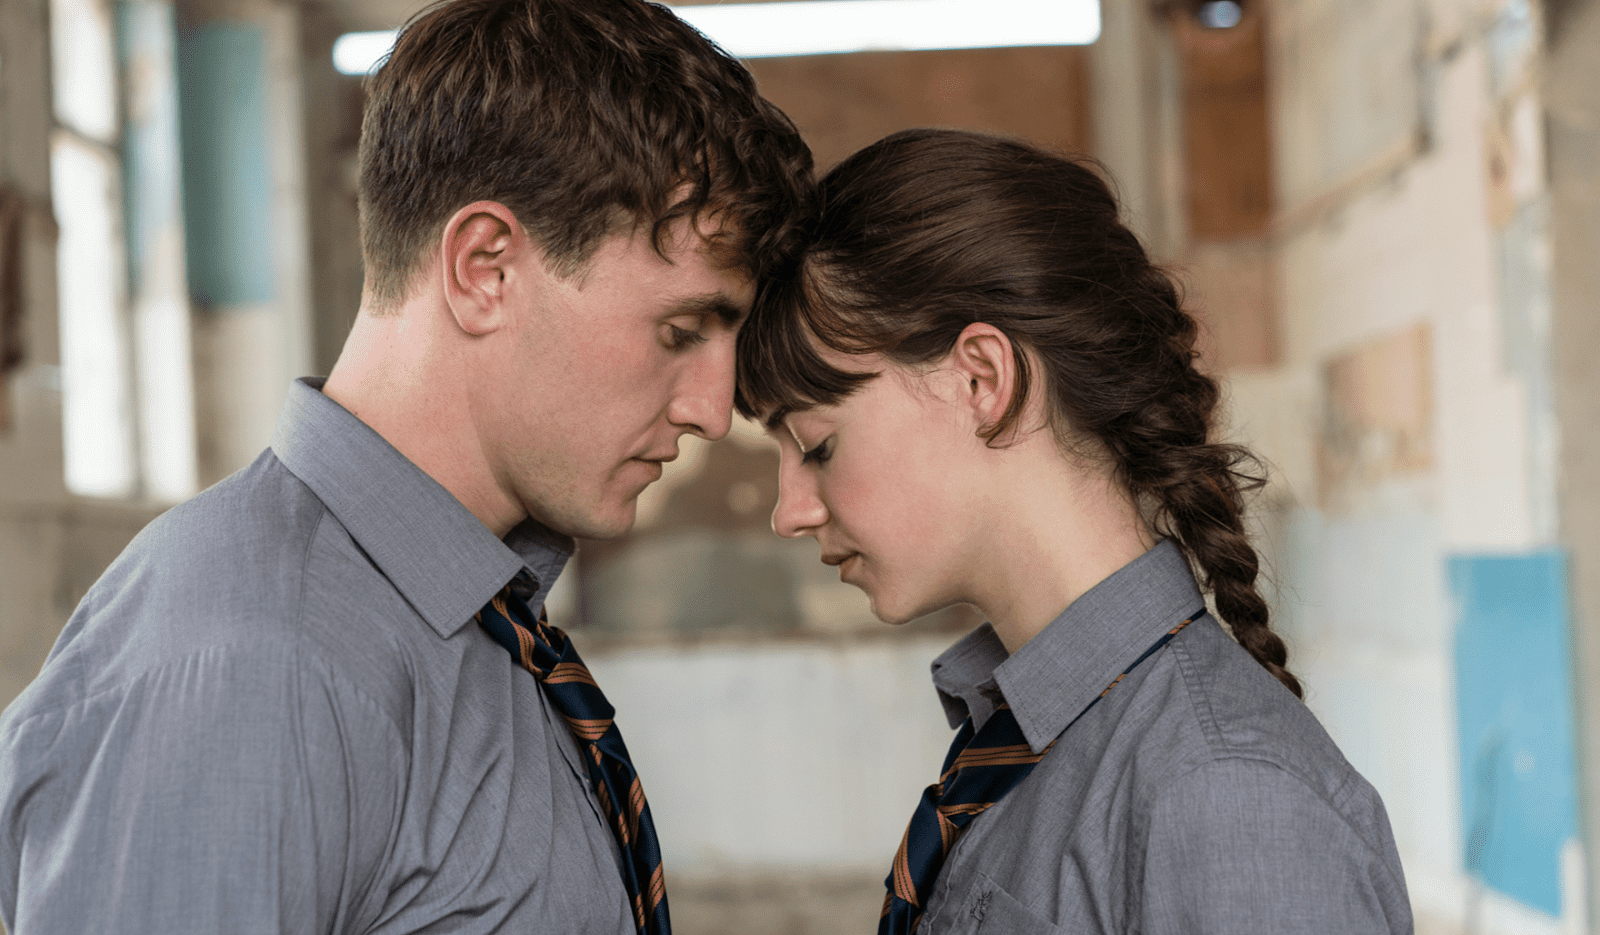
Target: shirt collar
point(964, 676)
point(439, 556)
point(1055, 675)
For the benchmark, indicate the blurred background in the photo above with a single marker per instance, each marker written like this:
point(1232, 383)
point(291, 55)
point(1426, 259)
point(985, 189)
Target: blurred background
point(1386, 213)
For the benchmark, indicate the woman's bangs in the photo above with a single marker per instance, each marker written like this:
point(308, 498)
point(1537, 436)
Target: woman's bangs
point(779, 367)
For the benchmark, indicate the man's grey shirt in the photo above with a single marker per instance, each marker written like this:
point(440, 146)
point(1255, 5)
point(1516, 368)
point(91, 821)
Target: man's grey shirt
point(1198, 796)
point(275, 713)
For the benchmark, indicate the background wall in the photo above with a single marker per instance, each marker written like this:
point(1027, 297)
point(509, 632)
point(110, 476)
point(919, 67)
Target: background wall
point(1415, 520)
point(1384, 211)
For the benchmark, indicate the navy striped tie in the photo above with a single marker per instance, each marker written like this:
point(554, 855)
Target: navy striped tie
point(981, 767)
point(546, 652)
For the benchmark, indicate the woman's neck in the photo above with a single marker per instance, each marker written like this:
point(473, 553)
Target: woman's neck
point(1057, 529)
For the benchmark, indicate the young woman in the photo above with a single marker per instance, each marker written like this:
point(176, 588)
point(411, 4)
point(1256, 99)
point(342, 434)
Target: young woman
point(985, 392)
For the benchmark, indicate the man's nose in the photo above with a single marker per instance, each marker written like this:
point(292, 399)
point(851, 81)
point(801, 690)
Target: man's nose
point(703, 404)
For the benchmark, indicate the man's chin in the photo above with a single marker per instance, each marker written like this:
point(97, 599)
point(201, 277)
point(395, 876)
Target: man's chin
point(593, 524)
point(613, 525)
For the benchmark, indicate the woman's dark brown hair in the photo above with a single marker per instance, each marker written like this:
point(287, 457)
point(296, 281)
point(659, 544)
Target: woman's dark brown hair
point(928, 231)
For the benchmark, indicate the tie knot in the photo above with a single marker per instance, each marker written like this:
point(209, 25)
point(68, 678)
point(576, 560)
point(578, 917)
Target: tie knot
point(522, 587)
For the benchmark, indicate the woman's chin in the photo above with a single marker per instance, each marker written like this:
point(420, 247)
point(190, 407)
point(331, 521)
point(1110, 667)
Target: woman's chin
point(885, 608)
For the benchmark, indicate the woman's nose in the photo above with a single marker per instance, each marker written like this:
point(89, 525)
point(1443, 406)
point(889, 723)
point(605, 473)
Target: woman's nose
point(800, 511)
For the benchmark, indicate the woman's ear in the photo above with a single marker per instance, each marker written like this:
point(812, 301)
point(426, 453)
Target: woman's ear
point(983, 358)
point(480, 245)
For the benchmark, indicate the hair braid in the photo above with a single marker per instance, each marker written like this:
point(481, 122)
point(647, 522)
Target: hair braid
point(1195, 489)
point(1202, 511)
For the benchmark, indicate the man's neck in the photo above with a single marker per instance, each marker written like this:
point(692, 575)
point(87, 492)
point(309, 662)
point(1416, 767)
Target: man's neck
point(395, 375)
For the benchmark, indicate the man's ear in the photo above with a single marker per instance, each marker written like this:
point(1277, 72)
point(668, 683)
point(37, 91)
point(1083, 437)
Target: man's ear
point(479, 245)
point(983, 358)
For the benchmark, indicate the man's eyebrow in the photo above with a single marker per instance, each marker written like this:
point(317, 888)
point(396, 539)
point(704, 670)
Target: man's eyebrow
point(713, 303)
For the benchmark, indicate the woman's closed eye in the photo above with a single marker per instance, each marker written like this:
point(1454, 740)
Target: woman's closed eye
point(818, 453)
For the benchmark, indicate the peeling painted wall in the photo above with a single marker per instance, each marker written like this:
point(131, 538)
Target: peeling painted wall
point(1411, 423)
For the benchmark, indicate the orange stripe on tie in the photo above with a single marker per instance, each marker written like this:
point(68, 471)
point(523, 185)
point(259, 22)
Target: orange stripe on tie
point(964, 808)
point(903, 886)
point(996, 756)
point(566, 672)
point(590, 729)
point(635, 805)
point(525, 646)
point(947, 833)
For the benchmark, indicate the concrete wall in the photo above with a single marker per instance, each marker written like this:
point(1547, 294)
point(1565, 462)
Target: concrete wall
point(1572, 101)
point(808, 758)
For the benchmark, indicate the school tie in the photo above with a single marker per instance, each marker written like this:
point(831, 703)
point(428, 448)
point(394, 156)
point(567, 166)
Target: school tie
point(546, 652)
point(981, 767)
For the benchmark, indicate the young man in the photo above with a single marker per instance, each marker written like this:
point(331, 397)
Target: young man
point(317, 697)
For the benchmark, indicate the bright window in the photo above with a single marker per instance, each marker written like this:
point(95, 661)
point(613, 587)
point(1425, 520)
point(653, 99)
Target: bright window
point(819, 27)
point(85, 176)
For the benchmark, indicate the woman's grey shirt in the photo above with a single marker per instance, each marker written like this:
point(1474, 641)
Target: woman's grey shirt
point(1198, 796)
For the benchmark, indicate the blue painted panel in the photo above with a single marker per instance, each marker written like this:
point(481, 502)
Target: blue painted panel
point(1514, 716)
point(227, 180)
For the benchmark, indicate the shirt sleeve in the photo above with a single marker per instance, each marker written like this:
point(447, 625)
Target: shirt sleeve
point(229, 791)
point(1240, 846)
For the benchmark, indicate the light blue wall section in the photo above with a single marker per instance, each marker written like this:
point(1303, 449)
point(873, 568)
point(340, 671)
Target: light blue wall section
point(1514, 715)
point(227, 181)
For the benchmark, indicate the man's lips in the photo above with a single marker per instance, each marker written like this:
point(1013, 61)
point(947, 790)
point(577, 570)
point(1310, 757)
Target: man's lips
point(653, 467)
point(838, 558)
point(655, 460)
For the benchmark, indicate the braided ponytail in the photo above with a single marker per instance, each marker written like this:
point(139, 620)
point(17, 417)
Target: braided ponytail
point(1195, 487)
point(1203, 514)
point(1199, 504)
point(928, 231)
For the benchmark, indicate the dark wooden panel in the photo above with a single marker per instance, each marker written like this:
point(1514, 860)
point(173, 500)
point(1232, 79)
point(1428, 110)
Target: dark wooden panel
point(1227, 150)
